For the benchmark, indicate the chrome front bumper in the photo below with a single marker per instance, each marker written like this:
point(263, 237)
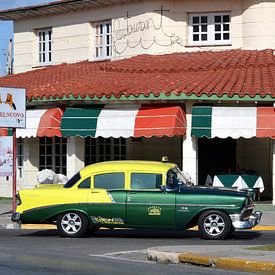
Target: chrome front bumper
point(253, 220)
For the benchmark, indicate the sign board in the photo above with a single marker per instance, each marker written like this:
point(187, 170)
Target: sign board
point(6, 156)
point(12, 108)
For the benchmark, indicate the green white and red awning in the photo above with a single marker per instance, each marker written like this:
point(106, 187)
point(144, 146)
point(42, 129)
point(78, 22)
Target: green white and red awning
point(233, 122)
point(41, 123)
point(124, 121)
point(5, 132)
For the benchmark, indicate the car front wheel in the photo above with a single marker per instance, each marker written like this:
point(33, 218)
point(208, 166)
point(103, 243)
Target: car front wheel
point(72, 224)
point(214, 225)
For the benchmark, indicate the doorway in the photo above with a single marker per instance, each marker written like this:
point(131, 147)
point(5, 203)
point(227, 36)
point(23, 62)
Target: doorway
point(215, 155)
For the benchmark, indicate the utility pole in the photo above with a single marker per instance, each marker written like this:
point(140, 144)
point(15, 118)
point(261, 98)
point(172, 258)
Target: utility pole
point(10, 58)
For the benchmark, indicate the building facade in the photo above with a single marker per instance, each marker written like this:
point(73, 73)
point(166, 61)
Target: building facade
point(146, 55)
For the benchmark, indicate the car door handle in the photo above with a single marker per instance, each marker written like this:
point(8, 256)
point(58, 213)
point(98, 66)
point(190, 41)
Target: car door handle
point(94, 192)
point(131, 193)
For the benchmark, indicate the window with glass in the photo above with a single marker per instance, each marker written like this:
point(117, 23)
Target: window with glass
point(146, 181)
point(209, 29)
point(44, 46)
point(53, 154)
point(85, 184)
point(20, 156)
point(109, 181)
point(103, 40)
point(104, 149)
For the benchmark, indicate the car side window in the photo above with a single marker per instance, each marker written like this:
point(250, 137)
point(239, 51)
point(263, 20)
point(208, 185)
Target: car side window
point(109, 181)
point(146, 181)
point(85, 184)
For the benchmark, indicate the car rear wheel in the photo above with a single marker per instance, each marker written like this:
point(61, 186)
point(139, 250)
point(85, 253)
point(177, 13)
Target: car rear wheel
point(72, 224)
point(214, 225)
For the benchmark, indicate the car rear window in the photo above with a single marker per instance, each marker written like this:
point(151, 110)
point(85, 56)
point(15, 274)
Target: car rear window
point(109, 181)
point(145, 181)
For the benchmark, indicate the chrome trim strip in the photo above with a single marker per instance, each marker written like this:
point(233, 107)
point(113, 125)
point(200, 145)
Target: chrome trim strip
point(111, 197)
point(212, 205)
point(150, 203)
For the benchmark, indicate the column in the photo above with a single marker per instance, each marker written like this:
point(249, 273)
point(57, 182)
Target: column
point(273, 171)
point(75, 155)
point(31, 164)
point(189, 148)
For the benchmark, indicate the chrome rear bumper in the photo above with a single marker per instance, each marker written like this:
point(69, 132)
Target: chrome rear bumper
point(16, 217)
point(253, 220)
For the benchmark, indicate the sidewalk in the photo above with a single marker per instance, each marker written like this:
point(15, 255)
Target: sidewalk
point(231, 257)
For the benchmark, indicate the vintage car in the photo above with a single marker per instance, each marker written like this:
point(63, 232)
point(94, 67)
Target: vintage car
point(135, 194)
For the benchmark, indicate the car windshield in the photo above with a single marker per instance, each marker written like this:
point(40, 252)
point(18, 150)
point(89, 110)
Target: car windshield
point(72, 181)
point(175, 178)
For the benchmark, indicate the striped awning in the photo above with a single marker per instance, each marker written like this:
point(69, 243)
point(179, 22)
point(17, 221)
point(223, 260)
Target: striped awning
point(233, 122)
point(41, 123)
point(124, 121)
point(5, 132)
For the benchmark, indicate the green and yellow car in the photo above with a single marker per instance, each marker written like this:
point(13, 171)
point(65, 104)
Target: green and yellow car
point(135, 194)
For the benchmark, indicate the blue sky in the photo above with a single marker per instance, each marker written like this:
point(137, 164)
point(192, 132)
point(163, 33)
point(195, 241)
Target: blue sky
point(6, 27)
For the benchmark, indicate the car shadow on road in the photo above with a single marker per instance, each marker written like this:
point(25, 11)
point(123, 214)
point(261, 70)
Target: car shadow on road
point(136, 233)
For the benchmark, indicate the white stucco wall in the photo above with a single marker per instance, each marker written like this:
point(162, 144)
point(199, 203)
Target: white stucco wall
point(75, 155)
point(145, 31)
point(189, 148)
point(258, 24)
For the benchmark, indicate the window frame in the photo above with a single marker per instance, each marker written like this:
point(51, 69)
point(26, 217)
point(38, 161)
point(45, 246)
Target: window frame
point(50, 155)
point(110, 173)
point(96, 149)
point(103, 44)
point(145, 173)
point(44, 47)
point(210, 29)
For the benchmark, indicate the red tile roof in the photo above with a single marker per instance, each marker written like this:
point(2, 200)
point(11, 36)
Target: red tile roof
point(233, 72)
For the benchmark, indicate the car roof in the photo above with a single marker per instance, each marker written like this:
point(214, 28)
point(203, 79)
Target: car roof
point(127, 165)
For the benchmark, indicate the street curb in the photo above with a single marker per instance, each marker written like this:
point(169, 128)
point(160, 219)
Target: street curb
point(263, 228)
point(154, 254)
point(256, 228)
point(228, 263)
point(52, 226)
point(38, 226)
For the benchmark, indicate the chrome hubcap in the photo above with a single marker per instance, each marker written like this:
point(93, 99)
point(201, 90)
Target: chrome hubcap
point(71, 223)
point(214, 224)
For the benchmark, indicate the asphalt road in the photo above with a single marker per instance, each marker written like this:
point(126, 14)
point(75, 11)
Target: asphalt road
point(106, 252)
